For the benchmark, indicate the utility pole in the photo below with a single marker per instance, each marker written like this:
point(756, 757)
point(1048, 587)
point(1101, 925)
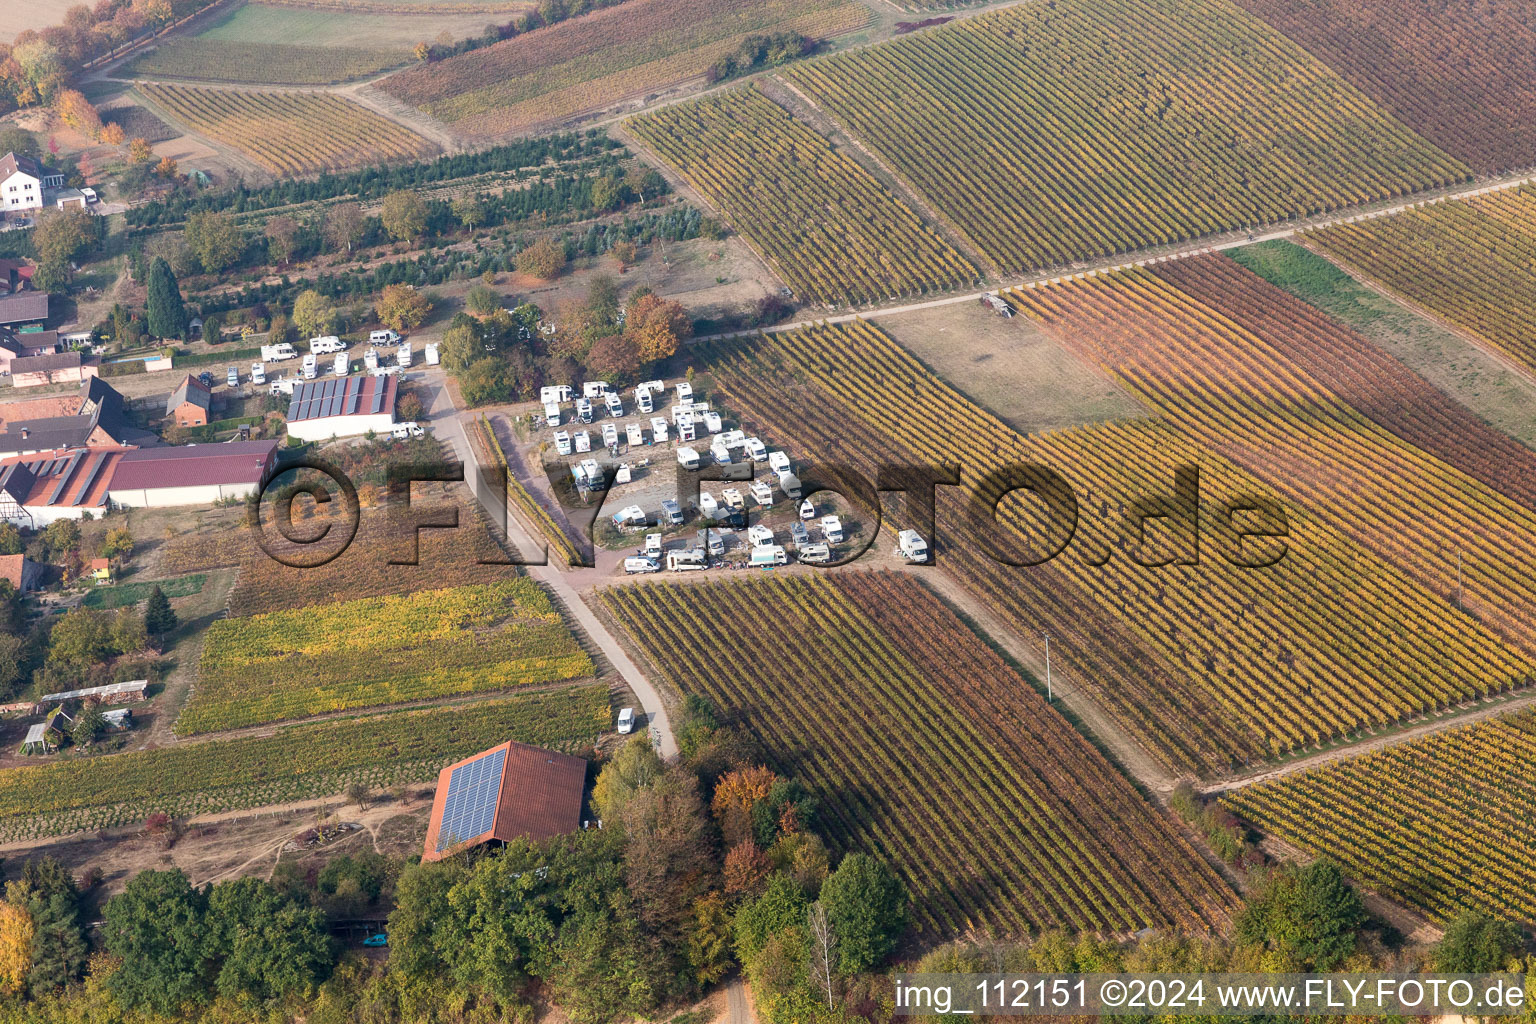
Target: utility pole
point(1049, 697)
point(1458, 581)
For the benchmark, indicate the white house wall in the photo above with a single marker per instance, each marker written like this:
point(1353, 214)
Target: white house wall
point(341, 426)
point(167, 497)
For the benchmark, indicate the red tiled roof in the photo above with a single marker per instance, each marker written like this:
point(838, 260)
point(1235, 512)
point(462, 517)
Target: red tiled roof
point(12, 567)
point(200, 465)
point(540, 797)
point(60, 479)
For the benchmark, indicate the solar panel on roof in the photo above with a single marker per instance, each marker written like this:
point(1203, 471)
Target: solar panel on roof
point(58, 488)
point(469, 809)
point(378, 397)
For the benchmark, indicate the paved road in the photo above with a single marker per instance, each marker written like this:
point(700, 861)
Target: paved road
point(449, 428)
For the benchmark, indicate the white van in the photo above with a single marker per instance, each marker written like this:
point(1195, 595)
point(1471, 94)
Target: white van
point(638, 564)
point(626, 722)
point(833, 528)
point(562, 442)
point(767, 556)
point(382, 337)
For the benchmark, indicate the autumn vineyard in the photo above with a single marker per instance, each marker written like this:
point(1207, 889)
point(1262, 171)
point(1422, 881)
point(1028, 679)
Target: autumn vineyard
point(923, 745)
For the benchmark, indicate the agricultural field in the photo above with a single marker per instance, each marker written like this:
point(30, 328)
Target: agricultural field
point(297, 763)
point(380, 650)
point(290, 133)
point(1469, 373)
point(829, 227)
point(588, 63)
point(1466, 261)
point(1442, 824)
point(218, 60)
point(124, 594)
point(926, 749)
point(138, 123)
point(1457, 73)
point(1086, 129)
point(1184, 656)
point(342, 23)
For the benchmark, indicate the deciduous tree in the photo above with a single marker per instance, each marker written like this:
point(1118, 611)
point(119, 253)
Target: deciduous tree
point(313, 313)
point(216, 240)
point(404, 214)
point(343, 226)
point(402, 307)
point(543, 259)
point(158, 927)
point(867, 908)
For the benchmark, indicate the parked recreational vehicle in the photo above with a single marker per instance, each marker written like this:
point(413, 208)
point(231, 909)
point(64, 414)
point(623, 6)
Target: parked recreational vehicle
point(639, 563)
point(277, 353)
point(327, 345)
point(686, 560)
point(309, 369)
point(833, 528)
point(258, 374)
point(385, 337)
point(562, 442)
point(339, 366)
point(911, 546)
point(583, 441)
point(688, 458)
point(767, 557)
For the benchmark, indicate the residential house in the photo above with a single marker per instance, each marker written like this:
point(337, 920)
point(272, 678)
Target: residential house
point(94, 417)
point(20, 571)
point(100, 570)
point(23, 181)
point(24, 309)
point(189, 404)
point(58, 368)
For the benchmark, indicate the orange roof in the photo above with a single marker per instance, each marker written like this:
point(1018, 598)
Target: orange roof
point(61, 479)
point(11, 568)
point(511, 790)
point(40, 409)
point(100, 563)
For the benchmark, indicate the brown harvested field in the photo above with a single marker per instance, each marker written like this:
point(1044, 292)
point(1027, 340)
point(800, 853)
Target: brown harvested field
point(21, 15)
point(290, 133)
point(1458, 72)
point(1010, 367)
point(601, 58)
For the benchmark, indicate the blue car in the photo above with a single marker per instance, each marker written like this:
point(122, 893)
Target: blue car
point(377, 940)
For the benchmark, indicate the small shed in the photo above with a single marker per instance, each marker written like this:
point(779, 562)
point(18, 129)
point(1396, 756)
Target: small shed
point(100, 570)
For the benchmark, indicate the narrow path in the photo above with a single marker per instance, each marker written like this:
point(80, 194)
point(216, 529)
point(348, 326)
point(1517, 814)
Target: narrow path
point(738, 1006)
point(1450, 720)
point(449, 428)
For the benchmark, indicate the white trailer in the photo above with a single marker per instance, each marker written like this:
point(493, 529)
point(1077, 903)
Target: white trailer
point(371, 360)
point(433, 359)
point(403, 355)
point(278, 353)
point(762, 493)
point(767, 557)
point(911, 546)
point(326, 345)
point(634, 434)
point(594, 472)
point(686, 560)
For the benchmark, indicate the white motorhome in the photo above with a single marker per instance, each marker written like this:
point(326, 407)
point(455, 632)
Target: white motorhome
point(813, 554)
point(643, 400)
point(326, 345)
point(555, 393)
point(552, 414)
point(594, 388)
point(731, 498)
point(403, 355)
point(762, 493)
point(629, 517)
point(615, 404)
point(584, 410)
point(432, 357)
point(339, 366)
point(707, 504)
point(634, 434)
point(799, 535)
point(720, 453)
point(767, 557)
point(610, 436)
point(258, 373)
point(309, 369)
point(562, 442)
point(686, 431)
point(911, 546)
point(789, 484)
point(371, 360)
point(778, 462)
point(807, 510)
point(639, 564)
point(710, 540)
point(277, 353)
point(756, 450)
point(759, 535)
point(672, 511)
point(688, 458)
point(833, 528)
point(658, 430)
point(653, 546)
point(683, 391)
point(280, 387)
point(687, 560)
point(583, 441)
point(594, 472)
point(385, 337)
point(712, 422)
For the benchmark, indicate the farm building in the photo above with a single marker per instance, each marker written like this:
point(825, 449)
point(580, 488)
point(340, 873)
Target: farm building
point(189, 404)
point(93, 417)
point(502, 793)
point(112, 693)
point(20, 572)
point(58, 368)
point(44, 487)
point(198, 474)
point(22, 309)
point(342, 407)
